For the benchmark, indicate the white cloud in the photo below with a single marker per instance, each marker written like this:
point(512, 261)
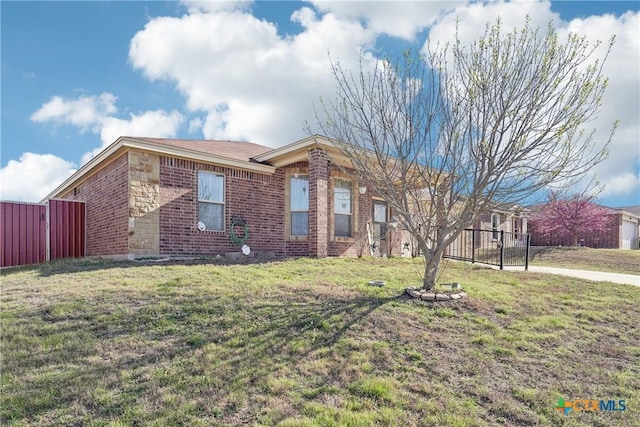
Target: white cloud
point(195, 125)
point(156, 124)
point(33, 176)
point(196, 6)
point(401, 19)
point(246, 81)
point(621, 100)
point(622, 97)
point(84, 112)
point(95, 113)
point(474, 17)
point(622, 184)
point(252, 83)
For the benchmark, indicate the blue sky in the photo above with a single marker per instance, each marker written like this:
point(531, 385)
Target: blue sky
point(76, 75)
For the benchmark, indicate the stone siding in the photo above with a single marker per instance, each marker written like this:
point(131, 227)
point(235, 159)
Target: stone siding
point(144, 203)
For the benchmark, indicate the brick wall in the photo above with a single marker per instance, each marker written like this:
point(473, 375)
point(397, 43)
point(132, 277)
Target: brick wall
point(593, 239)
point(257, 198)
point(107, 211)
point(144, 204)
point(318, 203)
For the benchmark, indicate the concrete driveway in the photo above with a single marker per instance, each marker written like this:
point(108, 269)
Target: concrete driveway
point(596, 276)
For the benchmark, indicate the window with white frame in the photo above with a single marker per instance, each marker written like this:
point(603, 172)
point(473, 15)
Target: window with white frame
point(495, 224)
point(380, 220)
point(211, 200)
point(342, 208)
point(299, 205)
point(517, 225)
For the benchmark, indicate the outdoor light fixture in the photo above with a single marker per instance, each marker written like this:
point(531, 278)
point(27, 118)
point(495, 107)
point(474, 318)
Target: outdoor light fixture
point(362, 189)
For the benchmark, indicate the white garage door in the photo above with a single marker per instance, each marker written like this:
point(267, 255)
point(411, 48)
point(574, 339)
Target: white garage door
point(629, 235)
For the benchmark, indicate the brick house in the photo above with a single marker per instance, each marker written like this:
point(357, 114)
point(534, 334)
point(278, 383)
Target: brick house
point(622, 232)
point(150, 196)
point(507, 218)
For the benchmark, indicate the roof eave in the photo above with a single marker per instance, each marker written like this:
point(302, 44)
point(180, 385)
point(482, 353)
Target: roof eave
point(85, 169)
point(128, 142)
point(284, 155)
point(197, 155)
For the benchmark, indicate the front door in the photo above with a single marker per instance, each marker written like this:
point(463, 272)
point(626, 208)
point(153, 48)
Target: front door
point(380, 219)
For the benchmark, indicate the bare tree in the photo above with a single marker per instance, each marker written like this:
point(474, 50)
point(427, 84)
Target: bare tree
point(445, 136)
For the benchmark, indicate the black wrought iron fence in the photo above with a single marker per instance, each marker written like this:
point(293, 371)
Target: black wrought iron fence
point(500, 248)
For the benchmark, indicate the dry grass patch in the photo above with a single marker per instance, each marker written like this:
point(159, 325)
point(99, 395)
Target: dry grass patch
point(308, 343)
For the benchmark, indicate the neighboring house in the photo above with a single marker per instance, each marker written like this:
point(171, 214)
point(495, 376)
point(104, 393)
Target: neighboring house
point(504, 225)
point(629, 226)
point(150, 196)
point(487, 226)
point(507, 218)
point(622, 232)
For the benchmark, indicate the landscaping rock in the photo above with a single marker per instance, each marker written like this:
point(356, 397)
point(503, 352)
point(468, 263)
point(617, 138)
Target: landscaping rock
point(433, 296)
point(413, 293)
point(376, 283)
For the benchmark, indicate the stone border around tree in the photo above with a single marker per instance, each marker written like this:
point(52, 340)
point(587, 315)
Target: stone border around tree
point(432, 295)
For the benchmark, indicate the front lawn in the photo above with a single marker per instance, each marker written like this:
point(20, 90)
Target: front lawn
point(612, 260)
point(307, 342)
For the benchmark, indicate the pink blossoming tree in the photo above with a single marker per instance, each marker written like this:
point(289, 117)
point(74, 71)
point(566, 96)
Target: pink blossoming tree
point(570, 217)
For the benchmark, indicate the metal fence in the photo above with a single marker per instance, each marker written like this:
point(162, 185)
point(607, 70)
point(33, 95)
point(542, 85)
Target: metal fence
point(500, 248)
point(31, 233)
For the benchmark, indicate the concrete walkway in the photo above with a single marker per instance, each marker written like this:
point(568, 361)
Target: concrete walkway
point(596, 276)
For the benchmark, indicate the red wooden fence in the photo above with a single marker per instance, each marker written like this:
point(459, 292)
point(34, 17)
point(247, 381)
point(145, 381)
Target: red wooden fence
point(66, 229)
point(24, 237)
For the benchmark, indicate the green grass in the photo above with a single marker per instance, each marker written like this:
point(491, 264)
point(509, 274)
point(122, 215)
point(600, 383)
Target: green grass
point(611, 260)
point(308, 343)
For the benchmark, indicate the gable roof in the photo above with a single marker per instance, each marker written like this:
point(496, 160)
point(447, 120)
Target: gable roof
point(234, 154)
point(298, 151)
point(634, 210)
point(238, 150)
point(237, 155)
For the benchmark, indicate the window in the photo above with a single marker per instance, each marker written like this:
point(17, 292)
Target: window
point(495, 223)
point(211, 200)
point(342, 208)
point(517, 225)
point(299, 205)
point(380, 220)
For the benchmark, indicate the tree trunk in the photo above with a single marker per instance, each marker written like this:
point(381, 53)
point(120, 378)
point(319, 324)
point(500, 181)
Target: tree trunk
point(431, 268)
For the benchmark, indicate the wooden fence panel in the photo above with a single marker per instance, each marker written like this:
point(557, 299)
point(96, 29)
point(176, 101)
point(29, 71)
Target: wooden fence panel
point(24, 231)
point(66, 229)
point(23, 227)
